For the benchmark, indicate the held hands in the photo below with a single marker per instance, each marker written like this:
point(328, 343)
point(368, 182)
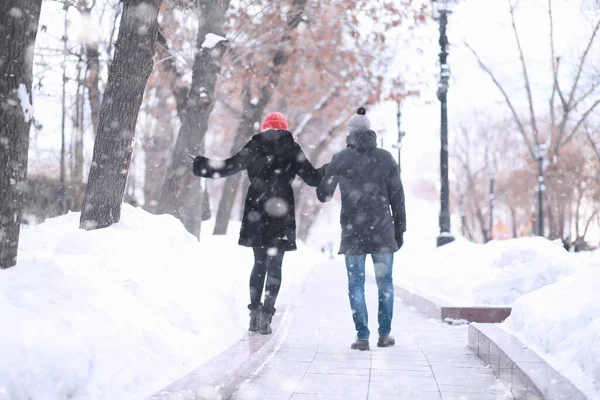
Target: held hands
point(400, 240)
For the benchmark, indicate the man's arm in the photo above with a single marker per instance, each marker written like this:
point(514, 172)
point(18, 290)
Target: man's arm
point(330, 181)
point(305, 170)
point(208, 168)
point(396, 196)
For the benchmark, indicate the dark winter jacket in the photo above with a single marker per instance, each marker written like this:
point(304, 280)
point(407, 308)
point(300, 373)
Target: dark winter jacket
point(369, 180)
point(272, 159)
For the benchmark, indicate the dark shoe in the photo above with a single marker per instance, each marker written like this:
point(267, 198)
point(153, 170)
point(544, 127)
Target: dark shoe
point(253, 327)
point(264, 319)
point(386, 341)
point(361, 345)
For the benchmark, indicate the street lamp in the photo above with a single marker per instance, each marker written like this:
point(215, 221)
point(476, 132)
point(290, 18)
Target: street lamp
point(540, 152)
point(401, 135)
point(441, 9)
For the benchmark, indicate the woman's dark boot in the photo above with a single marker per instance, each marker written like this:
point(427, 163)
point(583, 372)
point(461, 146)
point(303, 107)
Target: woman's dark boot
point(264, 320)
point(254, 318)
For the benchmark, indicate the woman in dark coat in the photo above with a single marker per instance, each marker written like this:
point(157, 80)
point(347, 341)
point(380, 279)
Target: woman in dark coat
point(272, 159)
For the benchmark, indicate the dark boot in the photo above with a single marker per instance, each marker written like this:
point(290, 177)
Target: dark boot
point(361, 345)
point(253, 327)
point(386, 341)
point(264, 320)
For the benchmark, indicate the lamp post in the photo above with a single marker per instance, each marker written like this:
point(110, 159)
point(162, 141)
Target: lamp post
point(540, 153)
point(441, 9)
point(492, 201)
point(401, 135)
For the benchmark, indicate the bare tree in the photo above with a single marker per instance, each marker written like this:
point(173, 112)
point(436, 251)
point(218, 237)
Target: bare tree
point(18, 29)
point(182, 195)
point(113, 146)
point(576, 103)
point(254, 108)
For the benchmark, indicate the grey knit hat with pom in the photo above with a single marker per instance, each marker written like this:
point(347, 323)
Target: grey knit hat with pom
point(358, 122)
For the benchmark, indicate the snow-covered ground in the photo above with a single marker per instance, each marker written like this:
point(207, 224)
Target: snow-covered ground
point(122, 312)
point(495, 274)
point(561, 322)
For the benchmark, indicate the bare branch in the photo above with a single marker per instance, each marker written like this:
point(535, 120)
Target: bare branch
point(522, 130)
point(321, 105)
point(581, 121)
point(588, 134)
point(582, 62)
point(554, 62)
point(525, 74)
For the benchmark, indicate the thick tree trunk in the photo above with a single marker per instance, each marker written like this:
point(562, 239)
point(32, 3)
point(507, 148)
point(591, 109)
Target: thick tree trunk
point(113, 145)
point(182, 194)
point(157, 144)
point(18, 29)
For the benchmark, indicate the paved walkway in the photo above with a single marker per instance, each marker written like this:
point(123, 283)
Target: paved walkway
point(430, 360)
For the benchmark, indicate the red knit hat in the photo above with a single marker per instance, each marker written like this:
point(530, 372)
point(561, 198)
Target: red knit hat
point(274, 121)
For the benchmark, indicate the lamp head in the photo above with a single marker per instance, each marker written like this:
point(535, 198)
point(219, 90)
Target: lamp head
point(440, 7)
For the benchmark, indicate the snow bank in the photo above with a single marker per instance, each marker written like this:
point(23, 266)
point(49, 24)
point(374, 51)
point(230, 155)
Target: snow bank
point(120, 312)
point(561, 322)
point(495, 274)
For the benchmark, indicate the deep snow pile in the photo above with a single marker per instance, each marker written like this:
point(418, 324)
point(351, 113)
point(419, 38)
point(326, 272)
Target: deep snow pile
point(561, 322)
point(120, 312)
point(496, 274)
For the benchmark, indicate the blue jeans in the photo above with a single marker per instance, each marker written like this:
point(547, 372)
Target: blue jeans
point(355, 266)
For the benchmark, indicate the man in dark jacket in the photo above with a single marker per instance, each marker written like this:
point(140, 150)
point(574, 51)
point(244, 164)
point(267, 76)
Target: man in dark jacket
point(370, 185)
point(272, 159)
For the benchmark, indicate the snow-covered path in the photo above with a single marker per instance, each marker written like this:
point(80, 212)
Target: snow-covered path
point(430, 360)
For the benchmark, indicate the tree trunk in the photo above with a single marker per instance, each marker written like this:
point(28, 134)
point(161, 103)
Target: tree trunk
point(182, 194)
point(251, 115)
point(113, 145)
point(513, 217)
point(156, 145)
point(18, 29)
point(76, 175)
point(92, 59)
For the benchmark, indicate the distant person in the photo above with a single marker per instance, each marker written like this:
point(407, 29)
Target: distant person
point(272, 159)
point(370, 185)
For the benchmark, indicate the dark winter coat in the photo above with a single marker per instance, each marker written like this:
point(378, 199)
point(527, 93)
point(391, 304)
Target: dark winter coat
point(272, 159)
point(369, 180)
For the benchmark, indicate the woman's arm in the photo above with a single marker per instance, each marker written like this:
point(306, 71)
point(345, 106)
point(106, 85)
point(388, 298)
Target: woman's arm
point(305, 170)
point(208, 168)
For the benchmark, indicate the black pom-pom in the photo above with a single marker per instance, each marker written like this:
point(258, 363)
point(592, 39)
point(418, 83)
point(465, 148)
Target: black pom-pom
point(361, 111)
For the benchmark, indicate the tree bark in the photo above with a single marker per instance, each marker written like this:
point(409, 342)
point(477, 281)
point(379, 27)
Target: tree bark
point(76, 176)
point(182, 194)
point(18, 29)
point(113, 145)
point(92, 59)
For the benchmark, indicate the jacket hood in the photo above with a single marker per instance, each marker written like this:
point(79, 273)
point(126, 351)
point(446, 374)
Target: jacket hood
point(362, 140)
point(274, 141)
